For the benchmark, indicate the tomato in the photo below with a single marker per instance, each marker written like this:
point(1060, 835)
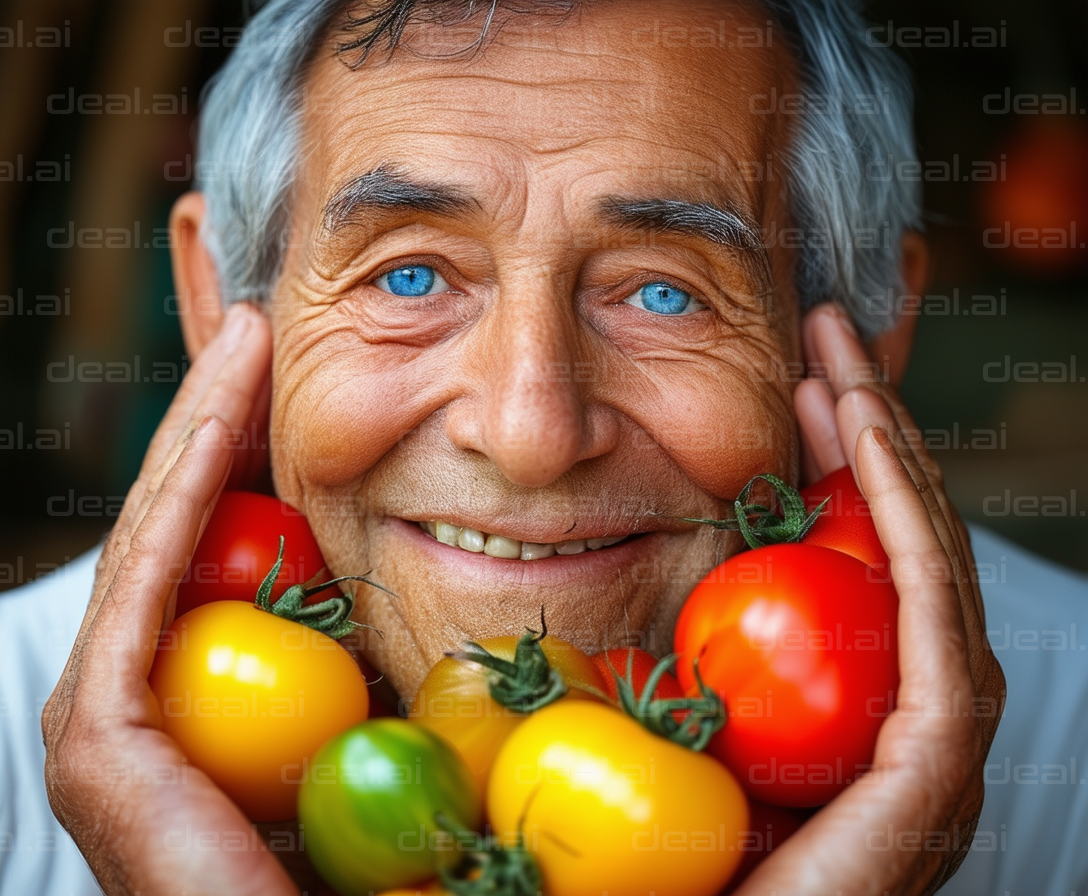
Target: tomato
point(455, 699)
point(800, 643)
point(369, 804)
point(607, 807)
point(239, 546)
point(642, 665)
point(250, 697)
point(768, 827)
point(845, 524)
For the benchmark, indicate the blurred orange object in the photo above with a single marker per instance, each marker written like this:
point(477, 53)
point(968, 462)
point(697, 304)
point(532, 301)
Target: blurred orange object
point(1036, 213)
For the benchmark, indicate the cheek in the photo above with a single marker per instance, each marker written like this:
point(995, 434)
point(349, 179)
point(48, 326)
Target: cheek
point(338, 405)
point(721, 425)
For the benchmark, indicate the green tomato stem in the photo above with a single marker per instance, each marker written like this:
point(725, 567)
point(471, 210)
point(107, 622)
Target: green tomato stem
point(488, 868)
point(529, 682)
point(702, 717)
point(331, 617)
point(769, 528)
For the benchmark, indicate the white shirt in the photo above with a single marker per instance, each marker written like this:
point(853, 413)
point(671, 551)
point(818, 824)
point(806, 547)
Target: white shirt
point(1032, 839)
point(38, 625)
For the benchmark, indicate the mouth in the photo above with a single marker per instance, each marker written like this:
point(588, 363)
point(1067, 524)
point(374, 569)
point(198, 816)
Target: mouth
point(503, 547)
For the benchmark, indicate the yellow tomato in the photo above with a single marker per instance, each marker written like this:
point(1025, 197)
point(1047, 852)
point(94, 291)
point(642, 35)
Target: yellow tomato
point(434, 889)
point(607, 807)
point(250, 697)
point(455, 699)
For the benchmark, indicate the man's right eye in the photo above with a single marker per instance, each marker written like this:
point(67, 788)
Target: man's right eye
point(412, 281)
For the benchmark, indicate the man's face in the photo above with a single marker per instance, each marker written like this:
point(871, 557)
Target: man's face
point(498, 315)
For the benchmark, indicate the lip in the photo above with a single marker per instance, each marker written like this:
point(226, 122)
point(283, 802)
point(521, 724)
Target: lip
point(604, 564)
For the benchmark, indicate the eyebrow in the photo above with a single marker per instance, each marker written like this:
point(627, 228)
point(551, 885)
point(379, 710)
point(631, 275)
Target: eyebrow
point(724, 226)
point(717, 224)
point(386, 189)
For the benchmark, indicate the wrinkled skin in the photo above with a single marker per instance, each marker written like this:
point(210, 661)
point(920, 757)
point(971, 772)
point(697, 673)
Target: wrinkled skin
point(529, 400)
point(532, 402)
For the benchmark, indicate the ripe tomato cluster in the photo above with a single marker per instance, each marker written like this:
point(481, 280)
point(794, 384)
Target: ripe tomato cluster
point(525, 765)
point(588, 782)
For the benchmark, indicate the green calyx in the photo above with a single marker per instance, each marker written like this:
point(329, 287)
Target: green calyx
point(488, 868)
point(700, 718)
point(529, 682)
point(331, 617)
point(768, 528)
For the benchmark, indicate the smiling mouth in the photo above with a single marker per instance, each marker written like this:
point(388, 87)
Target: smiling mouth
point(501, 547)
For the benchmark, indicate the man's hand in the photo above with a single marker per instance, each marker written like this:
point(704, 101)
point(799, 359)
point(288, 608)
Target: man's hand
point(905, 827)
point(147, 821)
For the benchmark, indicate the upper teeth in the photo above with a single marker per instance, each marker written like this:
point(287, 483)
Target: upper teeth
point(508, 548)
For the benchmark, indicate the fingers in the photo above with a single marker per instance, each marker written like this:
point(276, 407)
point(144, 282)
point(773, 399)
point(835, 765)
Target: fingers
point(815, 409)
point(863, 400)
point(833, 348)
point(115, 644)
point(232, 394)
point(122, 789)
point(206, 369)
point(132, 611)
point(932, 638)
point(229, 380)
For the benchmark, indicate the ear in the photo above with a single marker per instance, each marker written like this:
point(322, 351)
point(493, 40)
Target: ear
point(200, 304)
point(892, 347)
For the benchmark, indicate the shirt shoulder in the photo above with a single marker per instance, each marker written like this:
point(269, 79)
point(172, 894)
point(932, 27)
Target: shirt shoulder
point(1034, 823)
point(38, 626)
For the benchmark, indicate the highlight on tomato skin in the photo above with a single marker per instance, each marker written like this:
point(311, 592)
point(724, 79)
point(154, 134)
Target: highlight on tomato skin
point(800, 642)
point(846, 523)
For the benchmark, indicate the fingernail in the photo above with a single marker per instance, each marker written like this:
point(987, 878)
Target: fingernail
point(235, 326)
point(881, 437)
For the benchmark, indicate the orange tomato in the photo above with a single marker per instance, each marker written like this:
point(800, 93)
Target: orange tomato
point(455, 699)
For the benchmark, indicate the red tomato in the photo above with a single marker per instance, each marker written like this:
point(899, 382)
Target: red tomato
point(239, 547)
point(845, 524)
point(668, 687)
point(768, 828)
point(800, 642)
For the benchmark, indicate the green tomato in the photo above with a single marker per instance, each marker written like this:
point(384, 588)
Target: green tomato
point(368, 806)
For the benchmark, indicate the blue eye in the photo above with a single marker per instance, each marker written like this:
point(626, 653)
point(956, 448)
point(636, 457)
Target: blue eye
point(412, 281)
point(664, 298)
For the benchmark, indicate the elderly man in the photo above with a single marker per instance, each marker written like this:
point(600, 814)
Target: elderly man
point(538, 271)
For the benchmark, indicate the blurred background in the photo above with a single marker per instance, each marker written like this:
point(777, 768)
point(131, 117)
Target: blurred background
point(98, 100)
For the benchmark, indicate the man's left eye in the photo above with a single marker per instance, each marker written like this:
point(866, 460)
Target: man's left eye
point(664, 298)
point(412, 281)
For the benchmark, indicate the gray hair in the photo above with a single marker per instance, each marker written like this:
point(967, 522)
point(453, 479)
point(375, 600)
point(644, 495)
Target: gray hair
point(854, 118)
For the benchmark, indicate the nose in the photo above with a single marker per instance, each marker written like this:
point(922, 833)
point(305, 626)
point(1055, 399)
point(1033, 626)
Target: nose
point(527, 411)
